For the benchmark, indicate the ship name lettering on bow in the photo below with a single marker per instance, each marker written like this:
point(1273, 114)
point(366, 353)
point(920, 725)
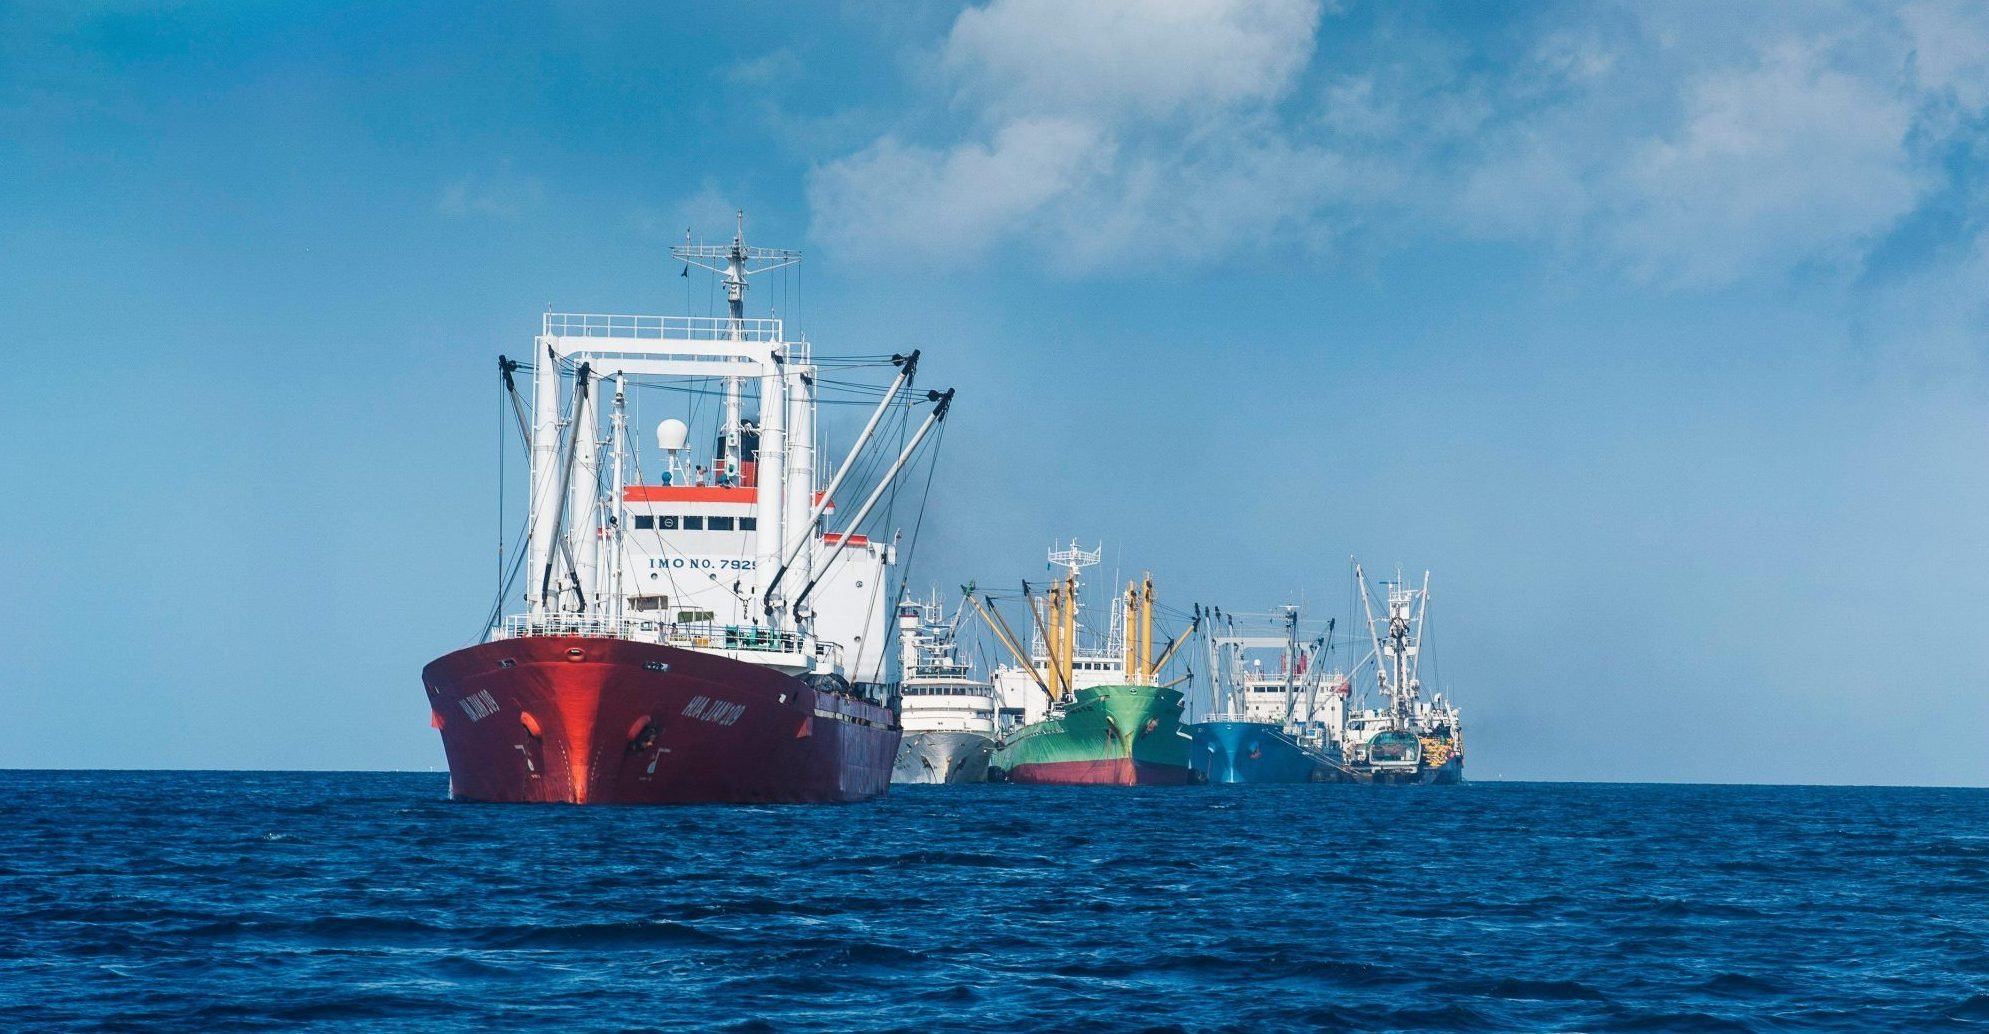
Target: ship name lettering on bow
point(720, 712)
point(479, 705)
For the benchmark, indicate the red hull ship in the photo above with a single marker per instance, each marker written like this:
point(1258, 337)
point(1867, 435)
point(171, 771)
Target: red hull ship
point(592, 720)
point(696, 636)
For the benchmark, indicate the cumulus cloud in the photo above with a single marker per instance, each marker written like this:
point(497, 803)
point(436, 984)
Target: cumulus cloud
point(1687, 151)
point(1790, 160)
point(1108, 58)
point(906, 199)
point(1099, 123)
point(1950, 50)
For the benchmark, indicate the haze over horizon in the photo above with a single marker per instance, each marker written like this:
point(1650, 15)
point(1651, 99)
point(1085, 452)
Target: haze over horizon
point(1655, 332)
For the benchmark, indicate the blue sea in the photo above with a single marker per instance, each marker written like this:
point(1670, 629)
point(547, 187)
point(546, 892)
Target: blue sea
point(354, 902)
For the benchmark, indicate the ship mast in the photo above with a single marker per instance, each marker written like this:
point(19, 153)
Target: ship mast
point(617, 504)
point(1397, 652)
point(1291, 660)
point(740, 262)
point(1073, 560)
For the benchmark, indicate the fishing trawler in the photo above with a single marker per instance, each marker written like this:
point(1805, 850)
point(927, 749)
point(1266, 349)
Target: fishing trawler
point(1408, 739)
point(949, 717)
point(1265, 726)
point(688, 635)
point(1096, 711)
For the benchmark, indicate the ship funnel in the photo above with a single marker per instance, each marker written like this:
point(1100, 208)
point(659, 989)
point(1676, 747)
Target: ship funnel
point(671, 435)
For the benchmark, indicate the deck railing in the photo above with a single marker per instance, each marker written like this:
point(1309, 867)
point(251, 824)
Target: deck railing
point(661, 328)
point(684, 635)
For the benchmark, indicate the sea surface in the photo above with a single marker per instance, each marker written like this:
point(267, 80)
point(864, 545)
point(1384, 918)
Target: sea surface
point(351, 902)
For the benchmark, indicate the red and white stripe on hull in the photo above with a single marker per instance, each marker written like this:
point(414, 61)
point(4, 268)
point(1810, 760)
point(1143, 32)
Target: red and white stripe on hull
point(1102, 772)
point(587, 720)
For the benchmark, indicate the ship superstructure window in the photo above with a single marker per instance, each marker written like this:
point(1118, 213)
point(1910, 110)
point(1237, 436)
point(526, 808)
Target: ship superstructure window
point(718, 524)
point(666, 522)
point(693, 522)
point(749, 524)
point(644, 522)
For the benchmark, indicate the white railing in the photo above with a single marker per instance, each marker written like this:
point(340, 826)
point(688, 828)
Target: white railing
point(519, 626)
point(661, 328)
point(685, 635)
point(736, 637)
point(751, 639)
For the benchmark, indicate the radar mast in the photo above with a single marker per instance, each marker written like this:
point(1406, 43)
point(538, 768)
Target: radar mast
point(740, 262)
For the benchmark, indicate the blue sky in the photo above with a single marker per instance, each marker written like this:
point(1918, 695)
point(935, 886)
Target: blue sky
point(1656, 331)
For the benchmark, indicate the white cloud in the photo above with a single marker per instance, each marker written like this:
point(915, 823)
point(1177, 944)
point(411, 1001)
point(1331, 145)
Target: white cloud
point(1788, 162)
point(503, 195)
point(769, 69)
point(1698, 155)
point(1951, 49)
point(707, 214)
point(1687, 151)
point(899, 199)
point(1090, 121)
point(1105, 57)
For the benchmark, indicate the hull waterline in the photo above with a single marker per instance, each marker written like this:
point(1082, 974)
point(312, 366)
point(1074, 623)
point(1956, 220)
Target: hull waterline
point(1450, 773)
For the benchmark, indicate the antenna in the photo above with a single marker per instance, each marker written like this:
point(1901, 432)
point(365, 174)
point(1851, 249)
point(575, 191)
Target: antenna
point(741, 262)
point(1076, 558)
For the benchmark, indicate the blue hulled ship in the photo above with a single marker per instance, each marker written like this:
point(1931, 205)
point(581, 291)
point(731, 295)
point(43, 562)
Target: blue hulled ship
point(1267, 725)
point(1238, 751)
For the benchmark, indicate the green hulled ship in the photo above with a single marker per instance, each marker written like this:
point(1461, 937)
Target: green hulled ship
point(1103, 716)
point(1111, 735)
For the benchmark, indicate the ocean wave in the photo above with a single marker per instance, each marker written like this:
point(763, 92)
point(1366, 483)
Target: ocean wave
point(362, 902)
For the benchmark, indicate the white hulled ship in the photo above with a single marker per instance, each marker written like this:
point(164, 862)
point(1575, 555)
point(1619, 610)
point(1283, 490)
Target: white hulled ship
point(947, 713)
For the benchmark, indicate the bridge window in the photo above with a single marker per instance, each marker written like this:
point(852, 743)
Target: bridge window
point(749, 524)
point(693, 522)
point(644, 522)
point(719, 524)
point(667, 522)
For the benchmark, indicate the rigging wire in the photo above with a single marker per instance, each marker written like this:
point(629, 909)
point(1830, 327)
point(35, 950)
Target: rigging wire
point(509, 580)
point(502, 456)
point(890, 521)
point(925, 497)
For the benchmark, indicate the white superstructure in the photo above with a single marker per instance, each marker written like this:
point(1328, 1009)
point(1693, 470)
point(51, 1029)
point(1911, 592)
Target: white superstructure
point(938, 691)
point(1294, 691)
point(739, 550)
point(1064, 654)
point(1099, 656)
